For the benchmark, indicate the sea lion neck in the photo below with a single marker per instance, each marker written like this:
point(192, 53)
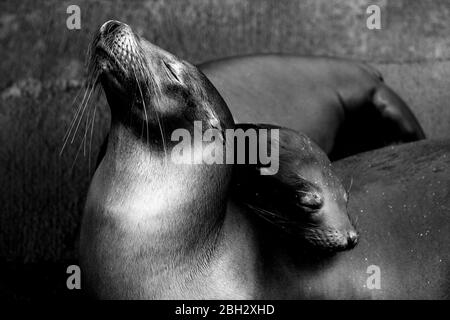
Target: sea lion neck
point(142, 185)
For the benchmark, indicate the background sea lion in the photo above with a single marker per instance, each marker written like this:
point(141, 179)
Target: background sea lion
point(343, 105)
point(304, 198)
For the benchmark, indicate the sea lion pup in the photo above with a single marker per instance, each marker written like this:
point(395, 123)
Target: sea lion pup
point(304, 198)
point(342, 105)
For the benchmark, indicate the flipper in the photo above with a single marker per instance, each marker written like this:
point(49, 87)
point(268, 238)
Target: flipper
point(385, 120)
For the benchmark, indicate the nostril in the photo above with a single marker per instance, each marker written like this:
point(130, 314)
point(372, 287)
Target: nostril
point(352, 239)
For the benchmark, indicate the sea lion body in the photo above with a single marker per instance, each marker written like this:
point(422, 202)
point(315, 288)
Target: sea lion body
point(401, 201)
point(153, 229)
point(343, 105)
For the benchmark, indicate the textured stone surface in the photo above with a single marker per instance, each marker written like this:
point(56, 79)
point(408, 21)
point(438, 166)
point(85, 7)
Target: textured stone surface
point(36, 43)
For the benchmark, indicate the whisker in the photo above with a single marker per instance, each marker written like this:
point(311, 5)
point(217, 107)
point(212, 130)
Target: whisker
point(155, 86)
point(274, 218)
point(76, 156)
point(143, 106)
point(162, 137)
point(90, 140)
point(85, 133)
point(72, 104)
point(90, 86)
point(74, 120)
point(82, 113)
point(350, 187)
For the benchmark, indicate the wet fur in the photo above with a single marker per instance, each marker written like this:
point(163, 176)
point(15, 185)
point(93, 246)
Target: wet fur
point(342, 105)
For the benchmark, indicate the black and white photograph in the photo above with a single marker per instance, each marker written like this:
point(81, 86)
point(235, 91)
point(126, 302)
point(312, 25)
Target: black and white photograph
point(224, 150)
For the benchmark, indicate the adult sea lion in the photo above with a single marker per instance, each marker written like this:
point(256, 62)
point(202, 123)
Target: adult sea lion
point(153, 228)
point(343, 105)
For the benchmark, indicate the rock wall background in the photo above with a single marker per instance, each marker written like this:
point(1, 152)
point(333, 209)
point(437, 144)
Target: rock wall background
point(41, 192)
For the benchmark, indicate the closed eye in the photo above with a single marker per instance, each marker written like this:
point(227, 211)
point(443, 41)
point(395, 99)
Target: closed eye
point(310, 200)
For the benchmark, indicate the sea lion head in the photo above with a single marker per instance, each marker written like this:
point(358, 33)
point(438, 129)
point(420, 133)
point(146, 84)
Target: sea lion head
point(150, 90)
point(305, 198)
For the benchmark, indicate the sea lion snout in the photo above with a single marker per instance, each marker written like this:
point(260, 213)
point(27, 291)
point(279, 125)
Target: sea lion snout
point(330, 239)
point(119, 36)
point(332, 230)
point(335, 218)
point(116, 47)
